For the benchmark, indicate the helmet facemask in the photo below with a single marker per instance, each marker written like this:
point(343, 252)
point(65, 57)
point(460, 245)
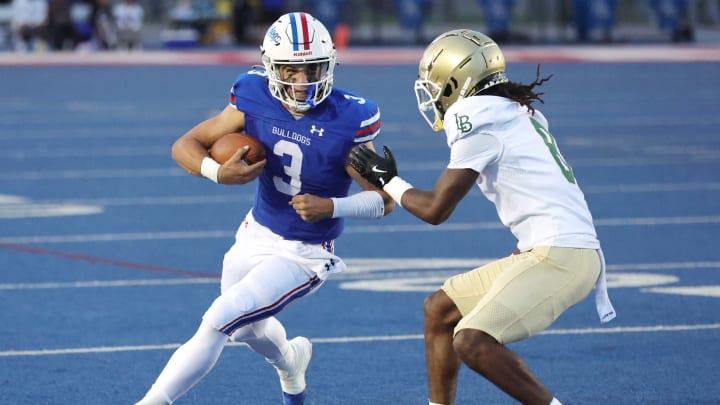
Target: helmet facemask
point(427, 94)
point(299, 39)
point(317, 87)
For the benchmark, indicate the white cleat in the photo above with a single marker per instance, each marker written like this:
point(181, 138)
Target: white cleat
point(154, 398)
point(292, 374)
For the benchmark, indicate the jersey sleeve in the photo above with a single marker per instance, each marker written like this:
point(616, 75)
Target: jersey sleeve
point(245, 88)
point(234, 91)
point(474, 151)
point(467, 127)
point(370, 123)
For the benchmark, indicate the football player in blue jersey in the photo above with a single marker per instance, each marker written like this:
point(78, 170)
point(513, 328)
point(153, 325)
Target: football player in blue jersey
point(284, 249)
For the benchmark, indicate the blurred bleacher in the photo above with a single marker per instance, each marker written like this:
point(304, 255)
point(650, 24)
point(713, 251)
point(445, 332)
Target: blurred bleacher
point(398, 22)
point(227, 23)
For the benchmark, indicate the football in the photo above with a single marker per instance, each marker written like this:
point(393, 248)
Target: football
point(228, 144)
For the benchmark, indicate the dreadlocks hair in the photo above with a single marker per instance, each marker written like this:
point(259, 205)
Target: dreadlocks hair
point(519, 92)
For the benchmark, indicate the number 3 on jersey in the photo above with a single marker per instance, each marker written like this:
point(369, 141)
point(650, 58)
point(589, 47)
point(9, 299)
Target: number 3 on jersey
point(293, 170)
point(554, 151)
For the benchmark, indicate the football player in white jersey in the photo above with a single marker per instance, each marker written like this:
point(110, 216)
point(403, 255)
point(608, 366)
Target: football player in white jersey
point(500, 142)
point(284, 249)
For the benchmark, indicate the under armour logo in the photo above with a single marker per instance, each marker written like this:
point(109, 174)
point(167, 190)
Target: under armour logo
point(318, 130)
point(329, 264)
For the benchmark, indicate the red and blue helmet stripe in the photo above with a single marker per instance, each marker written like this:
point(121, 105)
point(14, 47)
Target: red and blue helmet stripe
point(300, 31)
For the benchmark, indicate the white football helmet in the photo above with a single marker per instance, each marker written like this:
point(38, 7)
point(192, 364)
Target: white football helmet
point(299, 38)
point(457, 64)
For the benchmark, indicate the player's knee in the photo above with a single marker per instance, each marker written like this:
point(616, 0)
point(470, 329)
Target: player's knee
point(228, 306)
point(438, 309)
point(474, 346)
point(430, 306)
point(243, 334)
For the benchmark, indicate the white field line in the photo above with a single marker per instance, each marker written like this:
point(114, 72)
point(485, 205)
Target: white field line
point(221, 199)
point(173, 346)
point(374, 56)
point(170, 171)
point(356, 268)
point(111, 283)
point(452, 227)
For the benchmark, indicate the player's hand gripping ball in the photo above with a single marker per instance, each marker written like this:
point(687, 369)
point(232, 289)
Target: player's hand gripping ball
point(228, 144)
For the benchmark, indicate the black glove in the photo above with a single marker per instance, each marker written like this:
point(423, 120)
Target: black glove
point(374, 168)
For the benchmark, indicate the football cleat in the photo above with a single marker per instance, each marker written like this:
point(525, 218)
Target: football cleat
point(291, 370)
point(294, 399)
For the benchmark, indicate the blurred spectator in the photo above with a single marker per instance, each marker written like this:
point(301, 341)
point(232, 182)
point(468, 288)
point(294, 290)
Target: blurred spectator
point(80, 13)
point(5, 19)
point(193, 15)
point(60, 28)
point(103, 24)
point(498, 14)
point(266, 13)
point(242, 17)
point(29, 18)
point(594, 19)
point(183, 13)
point(712, 12)
point(672, 18)
point(327, 11)
point(129, 21)
point(412, 16)
point(497, 18)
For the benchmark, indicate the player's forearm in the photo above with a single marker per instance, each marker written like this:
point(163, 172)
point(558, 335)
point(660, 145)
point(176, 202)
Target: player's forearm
point(425, 206)
point(189, 154)
point(429, 206)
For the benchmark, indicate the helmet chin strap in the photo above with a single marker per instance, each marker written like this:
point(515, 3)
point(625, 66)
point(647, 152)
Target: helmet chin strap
point(310, 94)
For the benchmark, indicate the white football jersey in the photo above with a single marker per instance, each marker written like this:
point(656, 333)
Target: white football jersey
point(521, 171)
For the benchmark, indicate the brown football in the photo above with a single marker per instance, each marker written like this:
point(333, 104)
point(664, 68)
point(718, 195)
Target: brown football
point(228, 144)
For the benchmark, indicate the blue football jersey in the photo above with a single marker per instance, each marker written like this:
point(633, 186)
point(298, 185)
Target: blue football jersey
point(305, 155)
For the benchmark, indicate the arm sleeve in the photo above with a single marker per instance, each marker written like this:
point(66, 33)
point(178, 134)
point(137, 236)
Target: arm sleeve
point(363, 205)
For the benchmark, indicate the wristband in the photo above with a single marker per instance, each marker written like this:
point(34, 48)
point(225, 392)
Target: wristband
point(210, 168)
point(396, 187)
point(363, 205)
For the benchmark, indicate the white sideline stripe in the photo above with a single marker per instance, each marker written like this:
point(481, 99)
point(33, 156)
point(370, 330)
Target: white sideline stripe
point(169, 200)
point(173, 346)
point(365, 266)
point(94, 174)
point(375, 56)
point(425, 166)
point(699, 291)
point(460, 226)
point(94, 133)
point(650, 187)
point(221, 199)
point(664, 266)
point(115, 151)
point(112, 283)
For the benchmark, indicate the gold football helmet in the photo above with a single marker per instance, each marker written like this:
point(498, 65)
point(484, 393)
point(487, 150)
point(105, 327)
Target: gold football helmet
point(457, 64)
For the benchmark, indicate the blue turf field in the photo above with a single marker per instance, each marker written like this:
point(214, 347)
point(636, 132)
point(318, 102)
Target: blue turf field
point(109, 252)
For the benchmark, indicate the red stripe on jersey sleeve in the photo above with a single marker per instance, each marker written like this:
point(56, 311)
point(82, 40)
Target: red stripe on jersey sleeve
point(368, 130)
